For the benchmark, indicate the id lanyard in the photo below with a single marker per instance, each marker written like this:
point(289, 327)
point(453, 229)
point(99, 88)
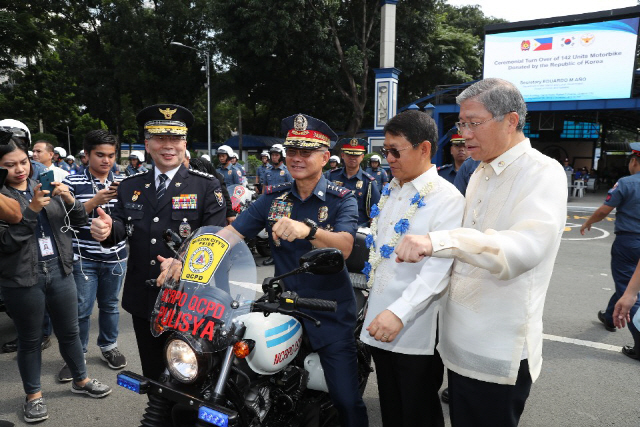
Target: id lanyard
point(44, 242)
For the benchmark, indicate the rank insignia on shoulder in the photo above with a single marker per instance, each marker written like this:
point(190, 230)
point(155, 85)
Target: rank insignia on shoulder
point(197, 172)
point(269, 189)
point(134, 175)
point(219, 197)
point(337, 191)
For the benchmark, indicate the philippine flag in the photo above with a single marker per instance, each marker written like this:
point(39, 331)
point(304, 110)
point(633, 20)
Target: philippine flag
point(543, 44)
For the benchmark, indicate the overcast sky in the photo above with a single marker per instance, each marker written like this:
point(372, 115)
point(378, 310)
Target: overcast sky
point(513, 10)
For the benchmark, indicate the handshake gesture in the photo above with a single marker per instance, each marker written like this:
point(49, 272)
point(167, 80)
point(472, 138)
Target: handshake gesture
point(101, 226)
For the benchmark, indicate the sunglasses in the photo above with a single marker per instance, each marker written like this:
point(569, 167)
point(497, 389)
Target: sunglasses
point(395, 152)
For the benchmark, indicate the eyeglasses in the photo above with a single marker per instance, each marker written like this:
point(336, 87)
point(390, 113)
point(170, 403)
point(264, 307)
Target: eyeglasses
point(169, 138)
point(471, 126)
point(292, 152)
point(395, 152)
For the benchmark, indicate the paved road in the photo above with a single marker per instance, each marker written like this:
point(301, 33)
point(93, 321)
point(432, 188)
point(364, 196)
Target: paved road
point(585, 380)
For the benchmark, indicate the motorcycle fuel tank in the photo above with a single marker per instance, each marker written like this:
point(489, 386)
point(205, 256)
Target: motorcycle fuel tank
point(277, 341)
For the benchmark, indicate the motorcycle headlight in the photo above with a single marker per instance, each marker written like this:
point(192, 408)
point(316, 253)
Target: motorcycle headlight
point(183, 362)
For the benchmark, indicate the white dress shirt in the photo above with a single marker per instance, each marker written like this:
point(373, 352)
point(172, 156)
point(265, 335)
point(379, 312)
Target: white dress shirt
point(170, 174)
point(515, 213)
point(59, 174)
point(413, 292)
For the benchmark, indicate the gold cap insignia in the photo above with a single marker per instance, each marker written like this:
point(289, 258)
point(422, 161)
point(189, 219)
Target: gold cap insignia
point(354, 142)
point(300, 123)
point(168, 112)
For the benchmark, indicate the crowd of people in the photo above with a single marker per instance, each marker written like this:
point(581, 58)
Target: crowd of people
point(460, 257)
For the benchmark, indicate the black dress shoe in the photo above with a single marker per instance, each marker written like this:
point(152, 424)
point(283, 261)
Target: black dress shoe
point(608, 326)
point(268, 261)
point(10, 346)
point(445, 395)
point(631, 352)
point(46, 342)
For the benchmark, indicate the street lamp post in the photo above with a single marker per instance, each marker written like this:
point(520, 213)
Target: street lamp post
point(208, 91)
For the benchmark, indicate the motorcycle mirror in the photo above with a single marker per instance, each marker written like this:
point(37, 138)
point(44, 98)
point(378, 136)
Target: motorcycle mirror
point(322, 261)
point(171, 239)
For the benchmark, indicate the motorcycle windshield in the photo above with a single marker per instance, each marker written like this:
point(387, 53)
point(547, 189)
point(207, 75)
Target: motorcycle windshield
point(211, 281)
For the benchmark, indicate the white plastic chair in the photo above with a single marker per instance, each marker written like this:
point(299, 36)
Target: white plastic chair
point(578, 188)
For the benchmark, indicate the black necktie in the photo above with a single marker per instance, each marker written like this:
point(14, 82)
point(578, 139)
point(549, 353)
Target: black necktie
point(161, 188)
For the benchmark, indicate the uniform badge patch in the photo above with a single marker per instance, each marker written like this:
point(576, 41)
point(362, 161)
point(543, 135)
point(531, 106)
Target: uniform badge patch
point(229, 172)
point(129, 229)
point(147, 185)
point(135, 196)
point(219, 197)
point(281, 173)
point(323, 213)
point(279, 209)
point(185, 201)
point(339, 183)
point(178, 184)
point(184, 229)
point(359, 184)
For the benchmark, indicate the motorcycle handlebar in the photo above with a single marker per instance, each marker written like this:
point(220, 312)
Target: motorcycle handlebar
point(317, 304)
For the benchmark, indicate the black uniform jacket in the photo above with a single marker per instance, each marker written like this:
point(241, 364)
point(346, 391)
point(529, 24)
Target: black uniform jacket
point(140, 217)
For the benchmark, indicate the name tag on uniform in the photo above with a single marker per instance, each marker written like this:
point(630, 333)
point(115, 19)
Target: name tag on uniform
point(135, 206)
point(185, 201)
point(46, 248)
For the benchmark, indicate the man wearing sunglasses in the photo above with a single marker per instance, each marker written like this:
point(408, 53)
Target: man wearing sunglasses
point(312, 212)
point(362, 184)
point(516, 207)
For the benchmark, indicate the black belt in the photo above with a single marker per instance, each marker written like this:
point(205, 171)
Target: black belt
point(626, 233)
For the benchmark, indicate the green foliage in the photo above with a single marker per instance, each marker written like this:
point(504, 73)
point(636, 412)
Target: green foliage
point(253, 163)
point(49, 137)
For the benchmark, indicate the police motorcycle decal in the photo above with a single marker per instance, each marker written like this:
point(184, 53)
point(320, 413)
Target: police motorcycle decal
point(212, 307)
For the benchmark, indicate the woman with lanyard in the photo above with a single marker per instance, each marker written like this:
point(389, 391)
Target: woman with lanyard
point(35, 271)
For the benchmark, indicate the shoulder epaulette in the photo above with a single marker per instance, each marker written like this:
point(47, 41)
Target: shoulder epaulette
point(368, 175)
point(337, 190)
point(270, 189)
point(204, 174)
point(134, 175)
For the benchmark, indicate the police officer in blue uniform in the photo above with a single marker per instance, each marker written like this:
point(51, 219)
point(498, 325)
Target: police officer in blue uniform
point(351, 176)
point(232, 175)
point(458, 152)
point(308, 212)
point(625, 251)
point(376, 171)
point(463, 175)
point(279, 173)
point(261, 170)
point(168, 196)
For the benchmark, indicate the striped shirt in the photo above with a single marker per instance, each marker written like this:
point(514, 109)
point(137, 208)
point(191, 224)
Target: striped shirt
point(84, 186)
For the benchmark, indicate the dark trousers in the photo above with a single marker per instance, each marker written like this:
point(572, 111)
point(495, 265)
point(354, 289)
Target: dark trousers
point(57, 293)
point(151, 348)
point(408, 387)
point(625, 253)
point(340, 365)
point(475, 403)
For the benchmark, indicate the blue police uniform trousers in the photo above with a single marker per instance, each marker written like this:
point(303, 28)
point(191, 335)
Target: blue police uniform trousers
point(339, 361)
point(625, 253)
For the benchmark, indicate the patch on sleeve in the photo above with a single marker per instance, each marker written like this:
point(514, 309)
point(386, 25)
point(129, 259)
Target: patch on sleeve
point(219, 197)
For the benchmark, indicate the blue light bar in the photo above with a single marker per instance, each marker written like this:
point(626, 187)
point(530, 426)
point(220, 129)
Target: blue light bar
point(212, 416)
point(129, 383)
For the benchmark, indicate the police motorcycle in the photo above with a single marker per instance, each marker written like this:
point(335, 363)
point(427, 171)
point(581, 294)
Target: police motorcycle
point(236, 354)
point(241, 198)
